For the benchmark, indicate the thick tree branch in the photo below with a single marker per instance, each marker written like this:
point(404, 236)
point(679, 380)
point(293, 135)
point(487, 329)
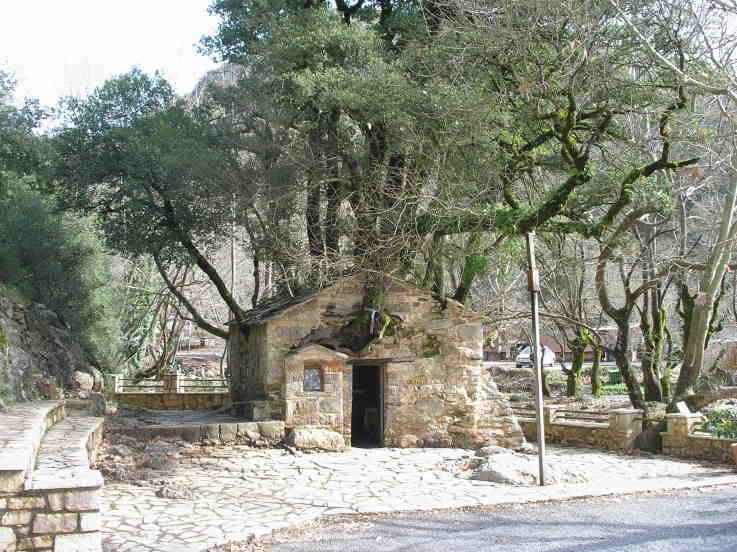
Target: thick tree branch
point(200, 321)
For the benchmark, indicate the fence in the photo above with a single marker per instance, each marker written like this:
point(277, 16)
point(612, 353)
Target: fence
point(170, 383)
point(172, 392)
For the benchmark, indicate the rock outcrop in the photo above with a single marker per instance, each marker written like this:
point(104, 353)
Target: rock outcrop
point(38, 354)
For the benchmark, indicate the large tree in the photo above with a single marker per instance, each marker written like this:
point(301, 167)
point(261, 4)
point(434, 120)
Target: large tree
point(371, 135)
point(707, 65)
point(153, 171)
point(424, 120)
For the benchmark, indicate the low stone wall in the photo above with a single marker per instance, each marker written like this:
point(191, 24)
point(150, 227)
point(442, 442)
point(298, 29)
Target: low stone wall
point(62, 520)
point(618, 433)
point(173, 401)
point(680, 439)
point(57, 506)
point(255, 433)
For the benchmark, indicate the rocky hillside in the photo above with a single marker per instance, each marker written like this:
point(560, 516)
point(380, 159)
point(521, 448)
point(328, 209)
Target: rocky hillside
point(38, 355)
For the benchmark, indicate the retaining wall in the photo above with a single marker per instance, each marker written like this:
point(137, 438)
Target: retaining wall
point(173, 401)
point(53, 504)
point(255, 433)
point(617, 433)
point(681, 439)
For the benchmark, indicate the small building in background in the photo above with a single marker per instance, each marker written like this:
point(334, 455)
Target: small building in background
point(418, 381)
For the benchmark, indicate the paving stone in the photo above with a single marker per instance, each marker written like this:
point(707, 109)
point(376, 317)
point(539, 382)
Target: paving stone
point(283, 489)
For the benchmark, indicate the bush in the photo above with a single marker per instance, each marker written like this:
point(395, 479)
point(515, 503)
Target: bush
point(58, 260)
point(721, 423)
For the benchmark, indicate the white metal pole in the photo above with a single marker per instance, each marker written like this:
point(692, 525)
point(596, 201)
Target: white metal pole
point(533, 285)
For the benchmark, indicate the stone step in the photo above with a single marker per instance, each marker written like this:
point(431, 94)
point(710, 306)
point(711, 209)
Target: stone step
point(66, 452)
point(22, 428)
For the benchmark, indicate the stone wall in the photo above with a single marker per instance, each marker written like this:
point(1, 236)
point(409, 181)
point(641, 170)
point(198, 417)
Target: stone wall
point(252, 433)
point(680, 439)
point(56, 505)
point(436, 391)
point(245, 350)
point(618, 433)
point(59, 520)
point(173, 401)
point(315, 408)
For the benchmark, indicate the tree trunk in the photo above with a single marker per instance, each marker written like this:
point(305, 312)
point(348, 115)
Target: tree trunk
point(697, 401)
point(596, 389)
point(312, 218)
point(622, 358)
point(693, 359)
point(650, 379)
point(700, 323)
point(573, 381)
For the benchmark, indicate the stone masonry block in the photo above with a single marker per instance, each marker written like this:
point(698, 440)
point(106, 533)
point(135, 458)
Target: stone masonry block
point(36, 543)
point(210, 431)
point(89, 521)
point(82, 501)
point(84, 542)
point(228, 432)
point(56, 501)
point(26, 502)
point(7, 539)
point(248, 429)
point(55, 523)
point(16, 517)
point(272, 431)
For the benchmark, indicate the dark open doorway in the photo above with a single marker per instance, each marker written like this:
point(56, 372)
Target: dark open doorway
point(367, 420)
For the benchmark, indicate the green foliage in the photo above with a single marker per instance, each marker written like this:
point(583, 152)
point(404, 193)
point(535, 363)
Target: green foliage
point(58, 260)
point(614, 389)
point(429, 121)
point(19, 149)
point(4, 345)
point(133, 155)
point(431, 347)
point(721, 423)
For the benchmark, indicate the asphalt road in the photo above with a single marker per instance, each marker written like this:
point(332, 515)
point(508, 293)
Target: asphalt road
point(679, 522)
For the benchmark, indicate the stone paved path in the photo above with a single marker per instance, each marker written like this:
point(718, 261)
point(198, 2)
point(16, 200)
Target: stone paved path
point(241, 491)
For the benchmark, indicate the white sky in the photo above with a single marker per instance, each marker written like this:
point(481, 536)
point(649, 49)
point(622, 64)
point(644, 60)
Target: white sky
point(68, 47)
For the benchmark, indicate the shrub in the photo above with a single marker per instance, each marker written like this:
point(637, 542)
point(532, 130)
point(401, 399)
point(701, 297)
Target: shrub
point(58, 260)
point(721, 423)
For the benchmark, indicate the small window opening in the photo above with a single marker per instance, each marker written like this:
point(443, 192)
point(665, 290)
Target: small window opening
point(313, 380)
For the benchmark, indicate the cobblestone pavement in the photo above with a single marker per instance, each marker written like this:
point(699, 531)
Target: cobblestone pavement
point(238, 491)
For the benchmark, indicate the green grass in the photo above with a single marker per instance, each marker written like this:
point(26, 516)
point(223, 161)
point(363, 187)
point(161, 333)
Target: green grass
point(614, 389)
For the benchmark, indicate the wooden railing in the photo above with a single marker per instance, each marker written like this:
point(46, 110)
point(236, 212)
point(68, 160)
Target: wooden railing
point(170, 383)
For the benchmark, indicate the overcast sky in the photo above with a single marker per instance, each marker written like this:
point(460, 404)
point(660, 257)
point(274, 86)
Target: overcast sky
point(63, 47)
